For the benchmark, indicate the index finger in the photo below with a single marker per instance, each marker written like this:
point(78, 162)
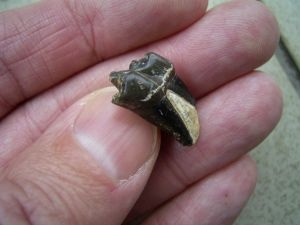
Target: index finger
point(45, 43)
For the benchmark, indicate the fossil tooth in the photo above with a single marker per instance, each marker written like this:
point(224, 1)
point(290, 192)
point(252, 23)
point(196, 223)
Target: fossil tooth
point(151, 89)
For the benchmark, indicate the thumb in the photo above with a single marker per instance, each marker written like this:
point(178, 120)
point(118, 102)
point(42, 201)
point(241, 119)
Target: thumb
point(89, 167)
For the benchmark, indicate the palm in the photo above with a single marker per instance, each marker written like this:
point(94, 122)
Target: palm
point(210, 55)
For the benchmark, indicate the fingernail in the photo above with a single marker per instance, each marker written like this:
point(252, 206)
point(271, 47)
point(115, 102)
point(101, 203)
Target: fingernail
point(118, 139)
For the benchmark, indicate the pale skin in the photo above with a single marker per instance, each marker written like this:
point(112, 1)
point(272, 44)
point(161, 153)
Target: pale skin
point(69, 156)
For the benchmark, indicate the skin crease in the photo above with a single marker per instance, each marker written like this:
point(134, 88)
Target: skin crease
point(68, 156)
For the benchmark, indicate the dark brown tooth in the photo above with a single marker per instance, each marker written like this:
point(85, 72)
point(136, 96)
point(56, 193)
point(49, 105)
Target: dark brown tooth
point(151, 89)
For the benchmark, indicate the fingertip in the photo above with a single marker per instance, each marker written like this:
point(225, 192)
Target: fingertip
point(252, 28)
point(248, 178)
point(217, 199)
point(235, 179)
point(119, 140)
point(236, 37)
point(269, 104)
point(267, 30)
point(269, 100)
point(236, 184)
point(232, 187)
point(255, 107)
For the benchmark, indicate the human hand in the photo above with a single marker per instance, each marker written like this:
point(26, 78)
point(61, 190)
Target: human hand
point(69, 156)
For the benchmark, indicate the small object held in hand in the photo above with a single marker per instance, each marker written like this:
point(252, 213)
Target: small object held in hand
point(151, 89)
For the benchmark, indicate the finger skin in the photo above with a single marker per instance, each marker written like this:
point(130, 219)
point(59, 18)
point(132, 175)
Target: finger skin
point(218, 199)
point(234, 119)
point(79, 173)
point(48, 42)
point(243, 36)
point(35, 116)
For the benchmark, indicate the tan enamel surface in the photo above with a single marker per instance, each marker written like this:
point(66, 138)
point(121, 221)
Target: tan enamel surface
point(187, 113)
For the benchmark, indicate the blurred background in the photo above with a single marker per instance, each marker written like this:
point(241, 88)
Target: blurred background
point(276, 200)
